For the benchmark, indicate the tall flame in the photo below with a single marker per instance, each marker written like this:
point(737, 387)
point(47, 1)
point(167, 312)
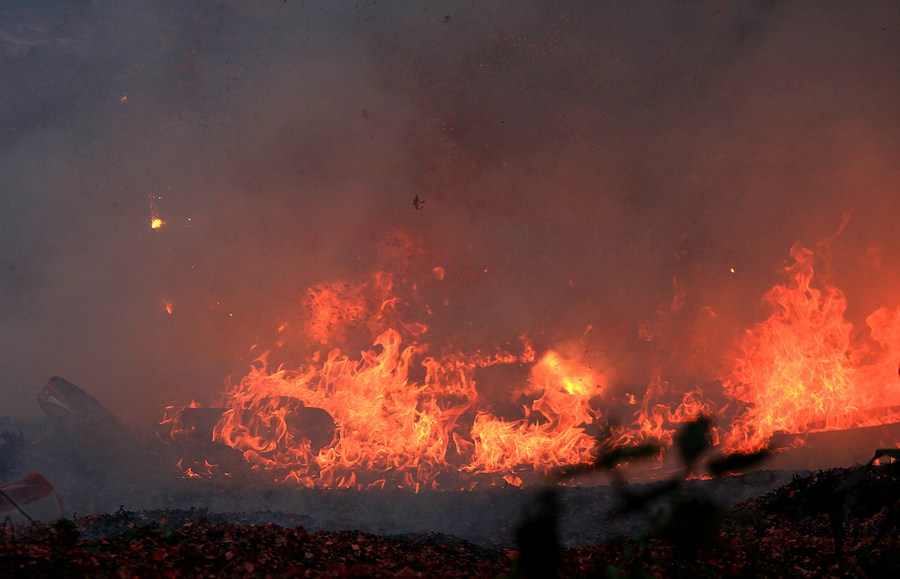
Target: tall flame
point(393, 429)
point(797, 370)
point(400, 415)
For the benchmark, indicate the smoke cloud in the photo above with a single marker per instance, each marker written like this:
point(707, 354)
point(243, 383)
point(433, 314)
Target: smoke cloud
point(591, 175)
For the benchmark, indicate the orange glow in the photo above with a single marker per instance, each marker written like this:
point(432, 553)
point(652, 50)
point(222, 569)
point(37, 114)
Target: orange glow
point(155, 221)
point(391, 428)
point(168, 306)
point(335, 309)
point(553, 371)
point(406, 414)
point(797, 369)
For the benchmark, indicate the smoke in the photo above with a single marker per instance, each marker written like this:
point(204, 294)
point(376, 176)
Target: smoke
point(581, 165)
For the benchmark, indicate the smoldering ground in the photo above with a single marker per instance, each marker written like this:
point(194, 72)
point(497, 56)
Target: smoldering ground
point(582, 164)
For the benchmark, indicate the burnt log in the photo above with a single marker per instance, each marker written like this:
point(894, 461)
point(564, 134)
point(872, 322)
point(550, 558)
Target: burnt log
point(308, 422)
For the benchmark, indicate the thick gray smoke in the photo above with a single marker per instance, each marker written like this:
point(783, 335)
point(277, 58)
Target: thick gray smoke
point(582, 164)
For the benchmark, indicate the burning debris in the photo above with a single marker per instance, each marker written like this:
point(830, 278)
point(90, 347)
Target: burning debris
point(473, 349)
point(286, 423)
point(155, 220)
point(410, 415)
point(407, 414)
point(396, 432)
point(302, 422)
point(799, 368)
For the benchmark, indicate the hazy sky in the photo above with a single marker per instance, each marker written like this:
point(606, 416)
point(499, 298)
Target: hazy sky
point(582, 163)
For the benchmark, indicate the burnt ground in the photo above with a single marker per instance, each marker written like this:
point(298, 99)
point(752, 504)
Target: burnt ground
point(127, 515)
point(127, 476)
point(486, 517)
point(788, 532)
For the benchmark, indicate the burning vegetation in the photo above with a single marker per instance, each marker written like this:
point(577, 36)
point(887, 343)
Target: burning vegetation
point(407, 413)
point(452, 259)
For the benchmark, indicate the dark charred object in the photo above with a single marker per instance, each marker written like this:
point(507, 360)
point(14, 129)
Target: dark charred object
point(198, 422)
point(76, 412)
point(303, 422)
point(91, 441)
point(313, 424)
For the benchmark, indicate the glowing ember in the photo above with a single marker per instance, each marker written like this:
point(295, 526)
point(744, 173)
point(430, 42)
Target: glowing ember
point(155, 221)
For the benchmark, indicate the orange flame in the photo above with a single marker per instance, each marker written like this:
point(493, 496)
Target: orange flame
point(401, 415)
point(392, 428)
point(796, 370)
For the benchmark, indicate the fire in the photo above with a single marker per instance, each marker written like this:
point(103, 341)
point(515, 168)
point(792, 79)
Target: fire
point(334, 310)
point(407, 414)
point(155, 221)
point(555, 372)
point(797, 369)
point(390, 427)
point(558, 438)
point(662, 410)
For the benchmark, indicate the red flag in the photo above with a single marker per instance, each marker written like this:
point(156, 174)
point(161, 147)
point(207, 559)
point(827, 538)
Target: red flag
point(31, 488)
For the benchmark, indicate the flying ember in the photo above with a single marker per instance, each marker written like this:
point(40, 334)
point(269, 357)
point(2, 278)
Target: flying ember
point(155, 221)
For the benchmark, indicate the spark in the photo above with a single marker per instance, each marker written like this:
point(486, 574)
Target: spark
point(155, 221)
